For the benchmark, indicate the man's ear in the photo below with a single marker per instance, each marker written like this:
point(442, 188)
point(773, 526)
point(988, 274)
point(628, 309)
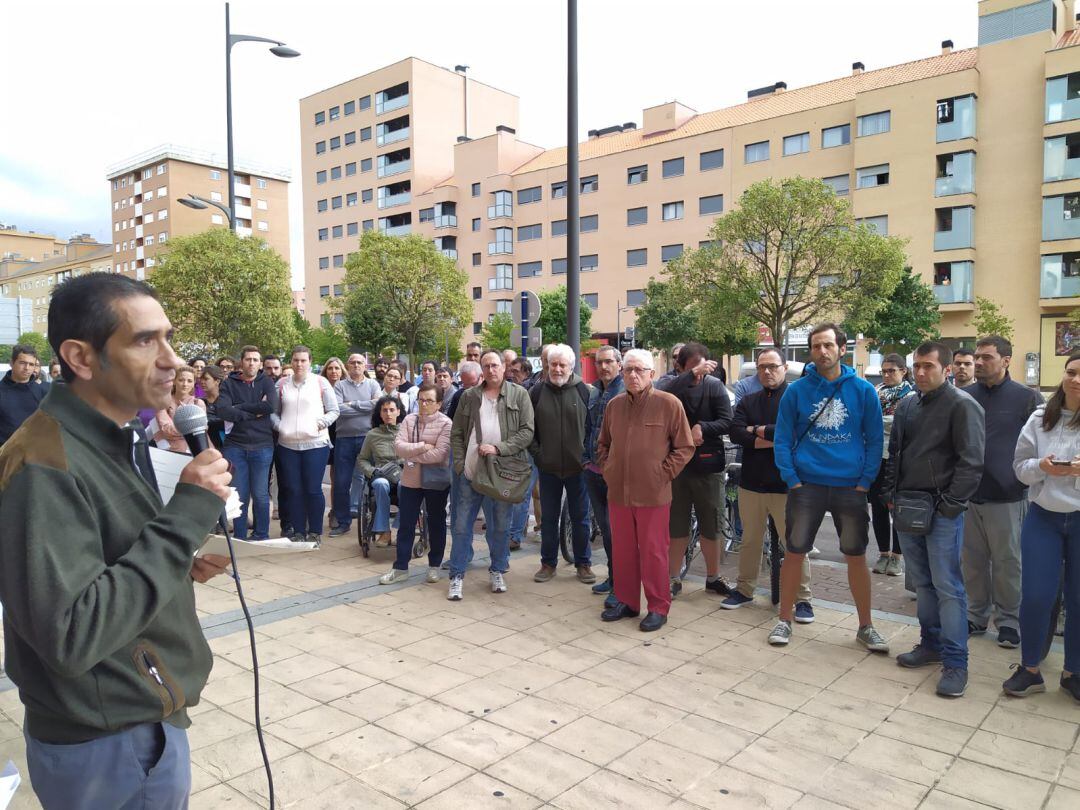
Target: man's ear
point(80, 357)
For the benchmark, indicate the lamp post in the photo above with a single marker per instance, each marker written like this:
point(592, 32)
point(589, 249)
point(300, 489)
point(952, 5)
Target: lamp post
point(619, 310)
point(279, 49)
point(201, 203)
point(573, 190)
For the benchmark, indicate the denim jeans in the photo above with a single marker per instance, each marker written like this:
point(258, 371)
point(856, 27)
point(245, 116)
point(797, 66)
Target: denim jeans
point(348, 483)
point(497, 515)
point(596, 486)
point(551, 490)
point(148, 765)
point(380, 521)
point(806, 508)
point(409, 502)
point(934, 562)
point(302, 473)
point(251, 477)
point(519, 519)
point(1049, 541)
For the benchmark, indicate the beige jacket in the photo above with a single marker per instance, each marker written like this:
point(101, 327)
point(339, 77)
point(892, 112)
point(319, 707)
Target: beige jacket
point(415, 444)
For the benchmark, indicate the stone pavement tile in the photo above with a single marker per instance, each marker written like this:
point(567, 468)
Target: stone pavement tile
point(689, 640)
point(929, 732)
point(298, 781)
point(480, 792)
point(350, 794)
point(593, 740)
point(853, 786)
point(275, 703)
point(753, 653)
point(832, 739)
point(416, 775)
point(351, 650)
point(831, 654)
point(541, 770)
point(1054, 703)
point(900, 759)
point(314, 726)
point(377, 701)
point(607, 790)
point(622, 673)
point(716, 626)
point(635, 713)
point(479, 697)
point(1011, 754)
point(316, 636)
point(518, 643)
point(386, 666)
point(967, 712)
point(529, 676)
point(993, 786)
point(879, 666)
point(1070, 773)
point(221, 797)
point(344, 617)
point(215, 726)
point(236, 641)
point(1033, 728)
point(334, 684)
point(604, 643)
point(720, 677)
point(237, 755)
point(814, 673)
point(297, 668)
point(851, 711)
point(479, 744)
point(442, 622)
point(226, 669)
point(534, 716)
point(811, 802)
point(740, 711)
point(938, 800)
point(569, 659)
point(398, 634)
point(774, 689)
point(269, 650)
point(980, 687)
point(516, 618)
point(580, 693)
point(727, 787)
point(564, 629)
point(200, 779)
point(709, 738)
point(424, 722)
point(437, 647)
point(1063, 798)
point(431, 680)
point(662, 767)
point(362, 748)
point(890, 693)
point(480, 661)
point(654, 656)
point(480, 633)
point(791, 765)
point(678, 692)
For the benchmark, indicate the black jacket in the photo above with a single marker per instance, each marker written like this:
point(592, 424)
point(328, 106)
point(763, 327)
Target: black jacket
point(1007, 407)
point(943, 436)
point(706, 404)
point(759, 471)
point(17, 402)
point(248, 406)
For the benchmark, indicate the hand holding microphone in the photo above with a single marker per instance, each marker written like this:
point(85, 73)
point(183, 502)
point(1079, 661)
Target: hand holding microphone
point(208, 469)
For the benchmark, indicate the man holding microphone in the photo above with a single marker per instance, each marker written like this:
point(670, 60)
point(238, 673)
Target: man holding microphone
point(100, 629)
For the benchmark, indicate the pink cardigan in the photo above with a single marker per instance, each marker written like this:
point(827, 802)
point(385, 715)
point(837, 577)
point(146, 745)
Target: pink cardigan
point(435, 431)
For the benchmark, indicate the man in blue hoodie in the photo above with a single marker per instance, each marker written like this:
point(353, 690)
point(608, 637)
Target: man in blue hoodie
point(828, 441)
point(20, 394)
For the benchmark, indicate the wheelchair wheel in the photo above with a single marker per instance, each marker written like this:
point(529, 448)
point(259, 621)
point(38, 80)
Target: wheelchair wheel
point(692, 546)
point(363, 525)
point(566, 533)
point(422, 543)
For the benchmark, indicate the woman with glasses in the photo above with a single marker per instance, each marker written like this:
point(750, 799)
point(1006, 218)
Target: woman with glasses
point(391, 383)
point(423, 441)
point(333, 369)
point(894, 386)
point(226, 364)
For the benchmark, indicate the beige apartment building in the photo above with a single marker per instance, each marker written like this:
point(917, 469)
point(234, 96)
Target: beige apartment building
point(145, 190)
point(972, 155)
point(28, 245)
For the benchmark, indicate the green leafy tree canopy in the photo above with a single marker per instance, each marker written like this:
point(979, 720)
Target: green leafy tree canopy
point(324, 341)
point(552, 320)
point(35, 339)
point(989, 319)
point(909, 316)
point(496, 334)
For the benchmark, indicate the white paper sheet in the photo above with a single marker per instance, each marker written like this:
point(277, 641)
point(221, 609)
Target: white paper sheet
point(215, 544)
point(9, 783)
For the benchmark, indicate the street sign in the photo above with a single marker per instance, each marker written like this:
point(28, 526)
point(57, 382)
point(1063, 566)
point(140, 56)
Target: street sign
point(532, 310)
point(535, 338)
point(629, 333)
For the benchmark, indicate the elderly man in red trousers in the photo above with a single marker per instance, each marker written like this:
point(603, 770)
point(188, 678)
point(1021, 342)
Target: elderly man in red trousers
point(644, 443)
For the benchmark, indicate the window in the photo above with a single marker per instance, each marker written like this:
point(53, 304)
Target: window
point(476, 189)
point(365, 165)
point(338, 231)
point(713, 204)
point(368, 224)
point(796, 144)
point(527, 232)
point(350, 199)
point(350, 107)
point(872, 176)
point(558, 227)
point(260, 183)
point(263, 226)
point(320, 177)
point(324, 234)
point(637, 174)
point(350, 138)
point(874, 124)
point(320, 118)
point(365, 102)
point(637, 216)
point(669, 252)
point(592, 299)
point(324, 262)
point(504, 241)
point(589, 263)
point(476, 224)
point(163, 192)
point(711, 160)
point(339, 260)
point(558, 267)
point(352, 229)
point(836, 136)
point(324, 291)
point(558, 190)
point(672, 167)
point(365, 134)
point(879, 225)
point(528, 195)
point(956, 172)
point(589, 223)
point(503, 205)
point(530, 269)
point(590, 184)
point(366, 195)
point(476, 260)
point(955, 118)
point(148, 219)
point(215, 174)
point(637, 257)
point(339, 290)
point(147, 173)
point(427, 214)
point(216, 219)
point(756, 152)
point(477, 293)
point(503, 278)
point(350, 169)
point(477, 327)
point(215, 196)
point(335, 202)
point(320, 147)
point(163, 214)
point(672, 210)
point(635, 298)
point(840, 184)
point(335, 143)
point(503, 306)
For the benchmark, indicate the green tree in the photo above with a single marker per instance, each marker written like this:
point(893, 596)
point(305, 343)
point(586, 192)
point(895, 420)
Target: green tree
point(402, 292)
point(790, 254)
point(666, 317)
point(496, 334)
point(222, 291)
point(909, 317)
point(989, 319)
point(35, 339)
point(324, 341)
point(552, 320)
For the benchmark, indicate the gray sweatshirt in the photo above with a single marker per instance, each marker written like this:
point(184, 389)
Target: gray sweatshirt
point(355, 403)
point(1053, 493)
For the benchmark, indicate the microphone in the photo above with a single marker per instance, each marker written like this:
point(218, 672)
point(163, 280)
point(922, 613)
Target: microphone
point(190, 420)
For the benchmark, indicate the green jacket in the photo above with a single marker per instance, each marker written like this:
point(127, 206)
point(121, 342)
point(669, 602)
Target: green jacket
point(100, 626)
point(378, 449)
point(515, 422)
point(559, 440)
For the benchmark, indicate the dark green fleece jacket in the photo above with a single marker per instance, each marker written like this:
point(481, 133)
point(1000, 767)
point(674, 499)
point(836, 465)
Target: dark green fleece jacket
point(100, 629)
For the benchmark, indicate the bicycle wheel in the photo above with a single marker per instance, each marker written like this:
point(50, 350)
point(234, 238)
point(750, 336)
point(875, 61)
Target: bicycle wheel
point(776, 559)
point(363, 529)
point(692, 545)
point(423, 542)
point(566, 533)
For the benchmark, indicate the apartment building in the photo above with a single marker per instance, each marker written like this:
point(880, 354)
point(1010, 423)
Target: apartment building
point(28, 245)
point(145, 190)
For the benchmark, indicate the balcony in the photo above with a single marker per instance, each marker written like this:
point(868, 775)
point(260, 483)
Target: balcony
point(390, 200)
point(241, 189)
point(955, 228)
point(953, 282)
point(390, 169)
point(393, 136)
point(396, 230)
point(243, 211)
point(242, 231)
point(446, 221)
point(138, 231)
point(450, 253)
point(500, 283)
point(501, 247)
point(1061, 217)
point(956, 174)
point(138, 209)
point(500, 210)
point(1060, 276)
point(1063, 98)
point(956, 119)
point(140, 252)
point(392, 98)
point(1061, 158)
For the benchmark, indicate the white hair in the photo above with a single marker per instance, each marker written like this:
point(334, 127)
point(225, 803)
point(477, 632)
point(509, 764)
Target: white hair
point(562, 350)
point(642, 356)
point(471, 367)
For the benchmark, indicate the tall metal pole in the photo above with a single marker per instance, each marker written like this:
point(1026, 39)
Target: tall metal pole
point(228, 117)
point(573, 190)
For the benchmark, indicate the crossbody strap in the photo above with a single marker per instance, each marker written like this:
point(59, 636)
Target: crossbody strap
point(816, 416)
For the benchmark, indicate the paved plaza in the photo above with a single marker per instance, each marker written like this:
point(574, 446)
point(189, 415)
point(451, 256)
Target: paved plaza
point(389, 697)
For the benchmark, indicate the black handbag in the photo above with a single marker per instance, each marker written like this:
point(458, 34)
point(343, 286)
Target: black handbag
point(913, 509)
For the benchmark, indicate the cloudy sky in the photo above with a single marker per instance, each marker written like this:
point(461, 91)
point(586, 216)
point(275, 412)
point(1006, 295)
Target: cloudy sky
point(90, 84)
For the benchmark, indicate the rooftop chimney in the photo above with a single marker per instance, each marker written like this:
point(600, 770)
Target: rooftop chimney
point(463, 139)
point(506, 129)
point(946, 47)
point(768, 90)
point(857, 68)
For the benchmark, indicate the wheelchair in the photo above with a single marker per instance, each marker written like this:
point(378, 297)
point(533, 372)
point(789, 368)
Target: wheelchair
point(366, 519)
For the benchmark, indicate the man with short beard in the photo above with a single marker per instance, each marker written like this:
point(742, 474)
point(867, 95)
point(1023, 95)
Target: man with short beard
point(609, 384)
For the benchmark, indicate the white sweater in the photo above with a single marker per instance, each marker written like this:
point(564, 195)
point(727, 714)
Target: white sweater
point(1053, 493)
point(305, 411)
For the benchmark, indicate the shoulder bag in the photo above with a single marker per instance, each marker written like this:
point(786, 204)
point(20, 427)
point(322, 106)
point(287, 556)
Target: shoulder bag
point(432, 476)
point(504, 478)
point(913, 510)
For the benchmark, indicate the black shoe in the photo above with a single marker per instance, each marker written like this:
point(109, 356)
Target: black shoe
point(676, 587)
point(1008, 638)
point(287, 530)
point(920, 656)
point(339, 530)
point(718, 586)
point(619, 611)
point(652, 621)
point(1023, 683)
point(975, 630)
point(1071, 685)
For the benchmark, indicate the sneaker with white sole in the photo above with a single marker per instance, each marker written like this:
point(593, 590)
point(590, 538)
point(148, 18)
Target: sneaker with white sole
point(498, 584)
point(872, 639)
point(392, 576)
point(433, 575)
point(457, 585)
point(882, 564)
point(781, 634)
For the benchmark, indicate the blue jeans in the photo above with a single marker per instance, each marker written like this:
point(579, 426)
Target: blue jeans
point(551, 490)
point(934, 562)
point(380, 521)
point(148, 765)
point(596, 486)
point(302, 474)
point(348, 483)
point(519, 518)
point(1048, 541)
point(251, 477)
point(497, 515)
point(409, 501)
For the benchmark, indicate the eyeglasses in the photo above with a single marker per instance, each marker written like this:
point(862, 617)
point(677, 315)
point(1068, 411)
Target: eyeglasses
point(768, 367)
point(636, 371)
point(427, 401)
point(356, 363)
point(890, 371)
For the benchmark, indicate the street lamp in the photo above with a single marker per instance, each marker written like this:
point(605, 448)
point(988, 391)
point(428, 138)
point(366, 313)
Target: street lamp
point(619, 310)
point(201, 203)
point(279, 49)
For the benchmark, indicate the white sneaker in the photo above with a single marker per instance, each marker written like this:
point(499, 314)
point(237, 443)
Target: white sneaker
point(457, 585)
point(433, 575)
point(814, 553)
point(498, 584)
point(392, 576)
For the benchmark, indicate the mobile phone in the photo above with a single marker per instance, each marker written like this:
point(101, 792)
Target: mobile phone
point(1060, 463)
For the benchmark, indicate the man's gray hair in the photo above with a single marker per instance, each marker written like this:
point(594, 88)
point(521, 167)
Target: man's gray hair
point(471, 366)
point(641, 356)
point(563, 351)
point(613, 350)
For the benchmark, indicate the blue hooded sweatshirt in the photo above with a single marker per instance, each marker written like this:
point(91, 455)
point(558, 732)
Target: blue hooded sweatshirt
point(843, 448)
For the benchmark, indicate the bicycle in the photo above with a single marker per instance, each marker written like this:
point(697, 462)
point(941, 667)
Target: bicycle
point(566, 530)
